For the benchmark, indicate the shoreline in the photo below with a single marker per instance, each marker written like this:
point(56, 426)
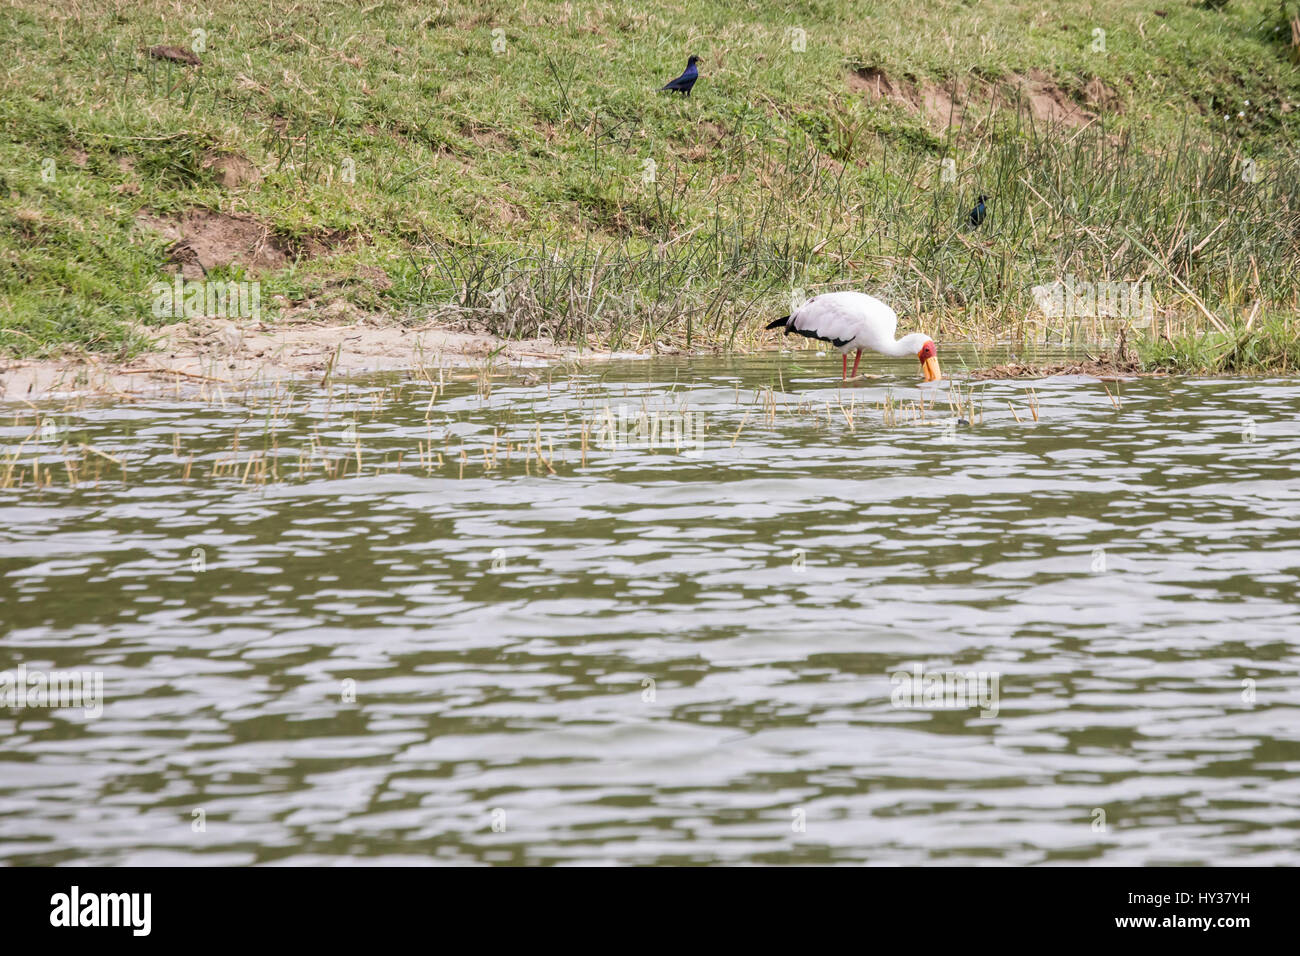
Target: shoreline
point(204, 357)
point(194, 358)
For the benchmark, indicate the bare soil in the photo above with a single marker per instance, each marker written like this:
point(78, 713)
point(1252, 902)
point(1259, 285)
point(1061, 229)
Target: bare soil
point(203, 239)
point(200, 356)
point(232, 170)
point(964, 100)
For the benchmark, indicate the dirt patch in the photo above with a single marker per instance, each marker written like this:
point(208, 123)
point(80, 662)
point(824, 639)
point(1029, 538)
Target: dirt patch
point(941, 105)
point(1100, 96)
point(231, 170)
point(205, 357)
point(313, 245)
point(1048, 103)
point(961, 100)
point(876, 84)
point(486, 137)
point(944, 108)
point(174, 54)
point(204, 240)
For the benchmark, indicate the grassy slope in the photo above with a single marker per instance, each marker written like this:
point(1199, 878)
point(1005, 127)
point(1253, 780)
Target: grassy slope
point(523, 171)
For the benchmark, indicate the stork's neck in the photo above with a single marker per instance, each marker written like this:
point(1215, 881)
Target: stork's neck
point(901, 347)
point(907, 345)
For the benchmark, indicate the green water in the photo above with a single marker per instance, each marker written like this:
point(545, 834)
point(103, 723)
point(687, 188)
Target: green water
point(682, 653)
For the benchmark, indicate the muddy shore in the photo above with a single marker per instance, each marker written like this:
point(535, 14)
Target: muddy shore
point(200, 356)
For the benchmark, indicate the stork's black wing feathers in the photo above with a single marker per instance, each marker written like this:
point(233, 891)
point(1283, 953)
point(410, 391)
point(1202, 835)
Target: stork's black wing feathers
point(789, 326)
point(809, 334)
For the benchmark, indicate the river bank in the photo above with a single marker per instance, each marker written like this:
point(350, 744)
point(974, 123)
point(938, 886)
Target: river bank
point(200, 357)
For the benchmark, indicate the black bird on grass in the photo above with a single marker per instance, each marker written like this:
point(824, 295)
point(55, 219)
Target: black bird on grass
point(977, 214)
point(684, 82)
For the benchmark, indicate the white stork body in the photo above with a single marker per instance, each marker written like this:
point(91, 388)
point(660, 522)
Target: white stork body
point(852, 322)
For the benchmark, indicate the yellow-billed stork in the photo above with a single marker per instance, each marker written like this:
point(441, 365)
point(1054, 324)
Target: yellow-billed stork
point(852, 321)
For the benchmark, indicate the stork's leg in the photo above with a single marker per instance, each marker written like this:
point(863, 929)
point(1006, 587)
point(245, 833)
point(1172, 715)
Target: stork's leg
point(856, 360)
point(845, 356)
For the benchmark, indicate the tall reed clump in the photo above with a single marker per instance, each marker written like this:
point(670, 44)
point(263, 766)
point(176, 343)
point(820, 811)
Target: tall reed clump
point(1096, 207)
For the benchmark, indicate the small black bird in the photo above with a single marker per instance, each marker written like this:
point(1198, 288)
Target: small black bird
point(684, 82)
point(977, 214)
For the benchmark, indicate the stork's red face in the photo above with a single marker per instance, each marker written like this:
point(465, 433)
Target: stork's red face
point(929, 362)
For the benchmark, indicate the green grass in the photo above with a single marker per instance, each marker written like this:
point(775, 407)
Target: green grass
point(508, 189)
point(1271, 346)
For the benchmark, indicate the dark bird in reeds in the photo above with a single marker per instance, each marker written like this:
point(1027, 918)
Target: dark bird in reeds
point(684, 82)
point(977, 214)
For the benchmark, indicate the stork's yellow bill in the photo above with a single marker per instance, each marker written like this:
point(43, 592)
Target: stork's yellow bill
point(929, 362)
